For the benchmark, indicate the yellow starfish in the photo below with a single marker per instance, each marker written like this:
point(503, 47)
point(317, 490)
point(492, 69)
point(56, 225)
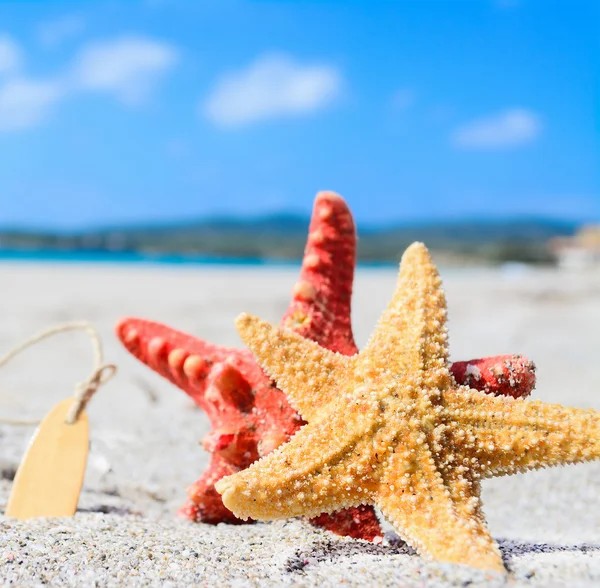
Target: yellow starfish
point(391, 427)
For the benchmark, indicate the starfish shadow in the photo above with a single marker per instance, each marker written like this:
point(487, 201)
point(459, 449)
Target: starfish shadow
point(110, 509)
point(332, 550)
point(511, 549)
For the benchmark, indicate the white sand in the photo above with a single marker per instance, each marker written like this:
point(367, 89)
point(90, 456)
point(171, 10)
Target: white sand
point(144, 453)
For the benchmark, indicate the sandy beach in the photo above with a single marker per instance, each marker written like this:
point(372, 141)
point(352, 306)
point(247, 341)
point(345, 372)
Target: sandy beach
point(145, 432)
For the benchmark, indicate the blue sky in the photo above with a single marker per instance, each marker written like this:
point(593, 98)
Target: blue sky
point(127, 112)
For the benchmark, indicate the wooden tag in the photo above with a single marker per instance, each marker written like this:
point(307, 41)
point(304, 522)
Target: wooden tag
point(49, 479)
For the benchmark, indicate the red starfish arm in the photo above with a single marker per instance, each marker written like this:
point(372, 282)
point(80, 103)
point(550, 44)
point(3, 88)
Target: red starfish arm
point(320, 307)
point(137, 334)
point(506, 375)
point(197, 367)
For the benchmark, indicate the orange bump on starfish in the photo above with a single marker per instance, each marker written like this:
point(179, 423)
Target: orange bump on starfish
point(250, 417)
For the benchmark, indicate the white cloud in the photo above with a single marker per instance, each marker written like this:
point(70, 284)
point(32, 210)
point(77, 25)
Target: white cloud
point(272, 86)
point(24, 103)
point(10, 55)
point(505, 129)
point(128, 67)
point(54, 32)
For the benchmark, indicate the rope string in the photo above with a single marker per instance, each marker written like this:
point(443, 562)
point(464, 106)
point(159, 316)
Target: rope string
point(83, 390)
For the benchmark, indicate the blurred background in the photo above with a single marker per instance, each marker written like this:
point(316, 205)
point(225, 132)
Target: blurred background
point(202, 130)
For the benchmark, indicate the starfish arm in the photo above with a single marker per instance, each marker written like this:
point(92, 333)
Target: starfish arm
point(507, 435)
point(411, 335)
point(442, 524)
point(462, 482)
point(165, 350)
point(464, 487)
point(137, 335)
point(316, 472)
point(321, 298)
point(308, 373)
point(219, 379)
point(508, 375)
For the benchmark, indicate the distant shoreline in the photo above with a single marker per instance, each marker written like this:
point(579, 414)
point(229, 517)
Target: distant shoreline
point(281, 240)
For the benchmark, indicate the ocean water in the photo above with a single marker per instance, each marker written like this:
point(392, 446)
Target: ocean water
point(134, 257)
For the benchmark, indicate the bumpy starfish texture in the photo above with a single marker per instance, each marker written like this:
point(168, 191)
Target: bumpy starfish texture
point(249, 415)
point(390, 426)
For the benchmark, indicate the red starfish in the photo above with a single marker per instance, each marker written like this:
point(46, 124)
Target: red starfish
point(249, 415)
